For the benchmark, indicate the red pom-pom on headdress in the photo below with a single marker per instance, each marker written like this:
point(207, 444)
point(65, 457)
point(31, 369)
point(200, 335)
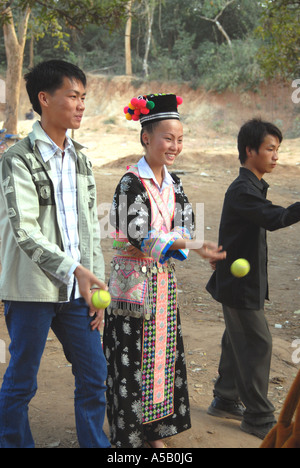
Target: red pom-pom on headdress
point(134, 102)
point(139, 108)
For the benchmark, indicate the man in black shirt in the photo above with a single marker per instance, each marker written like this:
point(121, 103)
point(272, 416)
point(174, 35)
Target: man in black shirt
point(247, 343)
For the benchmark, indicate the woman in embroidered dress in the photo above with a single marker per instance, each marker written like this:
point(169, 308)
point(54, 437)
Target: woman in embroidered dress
point(147, 394)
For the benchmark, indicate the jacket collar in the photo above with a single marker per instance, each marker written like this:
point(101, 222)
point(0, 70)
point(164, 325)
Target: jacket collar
point(39, 134)
point(245, 173)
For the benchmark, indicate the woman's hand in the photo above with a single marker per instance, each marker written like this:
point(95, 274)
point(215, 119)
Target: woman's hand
point(211, 252)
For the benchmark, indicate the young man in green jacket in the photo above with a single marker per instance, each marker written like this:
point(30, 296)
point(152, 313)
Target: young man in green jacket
point(51, 257)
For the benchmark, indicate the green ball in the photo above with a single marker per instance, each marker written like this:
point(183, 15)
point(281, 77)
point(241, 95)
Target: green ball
point(240, 268)
point(150, 105)
point(101, 299)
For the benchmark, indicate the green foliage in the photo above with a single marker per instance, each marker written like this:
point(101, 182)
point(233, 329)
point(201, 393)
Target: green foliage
point(209, 8)
point(177, 66)
point(78, 13)
point(221, 68)
point(214, 67)
point(40, 29)
point(54, 24)
point(196, 52)
point(185, 47)
point(96, 50)
point(279, 29)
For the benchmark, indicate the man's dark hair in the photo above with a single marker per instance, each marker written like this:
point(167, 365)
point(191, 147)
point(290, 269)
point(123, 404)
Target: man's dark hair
point(252, 135)
point(49, 76)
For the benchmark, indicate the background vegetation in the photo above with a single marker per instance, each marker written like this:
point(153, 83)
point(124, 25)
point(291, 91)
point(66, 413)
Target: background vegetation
point(213, 44)
point(185, 42)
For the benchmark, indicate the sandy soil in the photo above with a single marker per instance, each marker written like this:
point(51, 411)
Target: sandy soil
point(207, 166)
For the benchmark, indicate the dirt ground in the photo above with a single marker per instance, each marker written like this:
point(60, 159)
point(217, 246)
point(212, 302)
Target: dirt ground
point(207, 166)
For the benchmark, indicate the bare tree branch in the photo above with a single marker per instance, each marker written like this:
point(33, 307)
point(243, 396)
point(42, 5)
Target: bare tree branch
point(218, 24)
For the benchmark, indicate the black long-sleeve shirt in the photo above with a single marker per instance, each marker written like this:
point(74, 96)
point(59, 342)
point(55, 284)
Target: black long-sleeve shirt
point(246, 217)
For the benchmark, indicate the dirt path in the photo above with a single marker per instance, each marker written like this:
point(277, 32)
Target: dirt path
point(51, 411)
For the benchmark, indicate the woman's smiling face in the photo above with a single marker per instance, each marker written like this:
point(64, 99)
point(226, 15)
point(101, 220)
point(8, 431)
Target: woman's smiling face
point(165, 143)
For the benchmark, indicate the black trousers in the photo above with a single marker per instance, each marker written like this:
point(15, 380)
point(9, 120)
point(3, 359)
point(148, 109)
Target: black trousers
point(245, 362)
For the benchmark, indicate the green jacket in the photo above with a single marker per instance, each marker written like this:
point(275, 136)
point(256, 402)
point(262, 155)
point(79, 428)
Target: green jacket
point(34, 265)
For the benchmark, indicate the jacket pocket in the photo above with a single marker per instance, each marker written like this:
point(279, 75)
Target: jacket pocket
point(45, 192)
point(91, 196)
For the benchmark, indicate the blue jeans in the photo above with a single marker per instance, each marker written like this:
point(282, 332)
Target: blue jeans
point(28, 325)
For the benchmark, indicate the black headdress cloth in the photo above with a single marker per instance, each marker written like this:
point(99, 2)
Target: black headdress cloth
point(153, 108)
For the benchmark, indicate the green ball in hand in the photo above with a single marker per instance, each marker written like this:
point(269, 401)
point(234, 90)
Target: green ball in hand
point(101, 299)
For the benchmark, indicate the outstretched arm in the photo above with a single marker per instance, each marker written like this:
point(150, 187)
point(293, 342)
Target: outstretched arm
point(207, 250)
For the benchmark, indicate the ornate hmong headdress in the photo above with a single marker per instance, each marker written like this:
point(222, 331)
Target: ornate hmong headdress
point(153, 108)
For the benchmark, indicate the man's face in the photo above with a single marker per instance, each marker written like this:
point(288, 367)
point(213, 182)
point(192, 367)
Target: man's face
point(265, 160)
point(65, 107)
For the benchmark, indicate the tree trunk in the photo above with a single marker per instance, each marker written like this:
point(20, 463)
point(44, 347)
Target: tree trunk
point(128, 39)
point(14, 46)
point(222, 30)
point(150, 8)
point(31, 52)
